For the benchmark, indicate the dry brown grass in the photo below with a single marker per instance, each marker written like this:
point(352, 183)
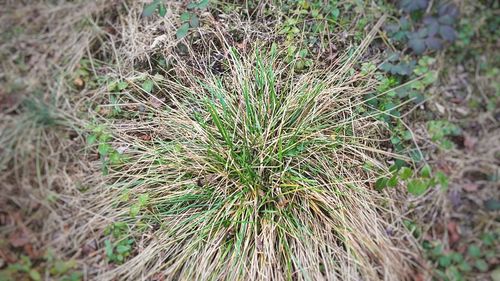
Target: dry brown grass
point(40, 168)
point(345, 233)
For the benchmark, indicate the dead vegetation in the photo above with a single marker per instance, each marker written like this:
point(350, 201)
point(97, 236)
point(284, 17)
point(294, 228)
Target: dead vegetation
point(230, 167)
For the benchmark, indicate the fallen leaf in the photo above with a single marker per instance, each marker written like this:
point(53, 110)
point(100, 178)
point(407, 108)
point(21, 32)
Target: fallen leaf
point(145, 137)
point(495, 274)
point(132, 107)
point(471, 187)
point(32, 253)
point(440, 108)
point(158, 40)
point(444, 166)
point(462, 249)
point(5, 219)
point(8, 256)
point(453, 232)
point(158, 277)
point(419, 277)
point(122, 149)
point(19, 238)
point(462, 110)
point(455, 199)
point(242, 46)
point(105, 111)
point(7, 101)
point(78, 82)
point(155, 102)
point(469, 142)
point(89, 247)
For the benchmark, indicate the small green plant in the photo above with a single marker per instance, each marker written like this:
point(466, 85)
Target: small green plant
point(57, 269)
point(85, 76)
point(62, 270)
point(396, 65)
point(423, 68)
point(115, 89)
point(141, 203)
point(41, 112)
point(415, 185)
point(290, 28)
point(24, 266)
point(148, 86)
point(189, 19)
point(401, 137)
point(453, 265)
point(301, 58)
point(202, 4)
point(413, 5)
point(387, 104)
point(121, 248)
point(402, 68)
point(117, 86)
point(435, 30)
point(413, 227)
point(429, 33)
point(156, 5)
point(404, 80)
point(107, 154)
point(440, 130)
point(491, 73)
point(303, 25)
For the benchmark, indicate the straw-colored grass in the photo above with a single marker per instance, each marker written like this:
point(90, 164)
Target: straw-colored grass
point(254, 174)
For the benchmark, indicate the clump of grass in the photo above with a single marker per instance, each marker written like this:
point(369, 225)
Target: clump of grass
point(257, 174)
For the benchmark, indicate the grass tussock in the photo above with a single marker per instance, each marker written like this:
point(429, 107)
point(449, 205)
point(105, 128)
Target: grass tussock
point(254, 174)
point(128, 152)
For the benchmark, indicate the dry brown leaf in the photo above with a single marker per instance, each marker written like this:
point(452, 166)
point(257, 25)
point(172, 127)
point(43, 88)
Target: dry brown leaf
point(453, 232)
point(105, 111)
point(132, 107)
point(419, 277)
point(158, 277)
point(8, 256)
point(440, 108)
point(19, 238)
point(31, 252)
point(444, 166)
point(155, 102)
point(5, 219)
point(89, 247)
point(242, 46)
point(7, 101)
point(145, 137)
point(79, 83)
point(462, 110)
point(471, 187)
point(469, 142)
